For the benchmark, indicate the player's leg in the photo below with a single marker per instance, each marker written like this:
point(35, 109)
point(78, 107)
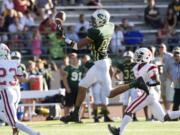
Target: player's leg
point(89, 79)
point(133, 94)
point(104, 110)
point(3, 117)
point(135, 106)
point(10, 111)
point(96, 96)
point(157, 110)
point(125, 101)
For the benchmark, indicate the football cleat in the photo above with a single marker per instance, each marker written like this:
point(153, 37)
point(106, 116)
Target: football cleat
point(72, 117)
point(107, 119)
point(15, 131)
point(113, 130)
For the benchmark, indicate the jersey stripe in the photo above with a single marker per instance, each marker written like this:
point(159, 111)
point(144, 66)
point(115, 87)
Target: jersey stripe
point(132, 104)
point(151, 68)
point(7, 113)
point(138, 103)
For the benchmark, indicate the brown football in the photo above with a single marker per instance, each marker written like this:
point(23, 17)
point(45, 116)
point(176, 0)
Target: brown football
point(60, 17)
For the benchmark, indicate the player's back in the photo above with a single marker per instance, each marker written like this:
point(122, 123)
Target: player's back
point(8, 72)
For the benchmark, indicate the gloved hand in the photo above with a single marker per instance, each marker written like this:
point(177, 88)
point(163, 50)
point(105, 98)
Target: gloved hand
point(71, 43)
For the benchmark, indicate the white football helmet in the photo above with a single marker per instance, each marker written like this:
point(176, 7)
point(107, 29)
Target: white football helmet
point(16, 55)
point(4, 52)
point(128, 54)
point(143, 55)
point(100, 17)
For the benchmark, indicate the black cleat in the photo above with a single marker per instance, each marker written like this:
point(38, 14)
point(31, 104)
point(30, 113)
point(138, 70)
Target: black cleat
point(96, 119)
point(72, 117)
point(113, 130)
point(107, 119)
point(142, 85)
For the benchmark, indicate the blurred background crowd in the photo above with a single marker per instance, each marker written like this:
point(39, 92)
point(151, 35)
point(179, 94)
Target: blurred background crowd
point(28, 26)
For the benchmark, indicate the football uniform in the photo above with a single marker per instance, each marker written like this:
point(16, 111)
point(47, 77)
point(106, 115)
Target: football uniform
point(148, 71)
point(97, 92)
point(75, 74)
point(9, 69)
point(128, 75)
point(99, 72)
point(10, 92)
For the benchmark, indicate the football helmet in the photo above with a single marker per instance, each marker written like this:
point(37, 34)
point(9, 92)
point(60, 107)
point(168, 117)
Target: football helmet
point(143, 55)
point(16, 55)
point(100, 18)
point(4, 52)
point(128, 54)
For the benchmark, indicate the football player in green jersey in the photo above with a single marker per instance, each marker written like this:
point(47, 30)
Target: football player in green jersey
point(99, 37)
point(73, 73)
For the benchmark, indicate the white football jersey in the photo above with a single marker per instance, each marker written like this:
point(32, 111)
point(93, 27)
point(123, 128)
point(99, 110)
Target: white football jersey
point(147, 71)
point(9, 69)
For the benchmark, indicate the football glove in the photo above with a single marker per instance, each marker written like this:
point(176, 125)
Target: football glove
point(71, 43)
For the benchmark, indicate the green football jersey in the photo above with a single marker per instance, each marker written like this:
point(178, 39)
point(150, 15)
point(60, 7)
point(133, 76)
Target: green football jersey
point(101, 37)
point(75, 74)
point(126, 69)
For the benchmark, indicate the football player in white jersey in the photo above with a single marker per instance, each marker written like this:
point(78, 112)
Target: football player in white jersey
point(10, 73)
point(149, 72)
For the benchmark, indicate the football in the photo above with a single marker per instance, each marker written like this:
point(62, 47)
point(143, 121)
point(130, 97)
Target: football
point(60, 17)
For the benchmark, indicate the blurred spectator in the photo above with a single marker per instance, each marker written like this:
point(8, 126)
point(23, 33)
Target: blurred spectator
point(26, 37)
point(56, 46)
point(21, 5)
point(22, 18)
point(164, 33)
point(9, 18)
point(55, 76)
point(29, 19)
point(126, 25)
point(116, 41)
point(16, 26)
point(71, 34)
point(3, 36)
point(152, 15)
point(175, 77)
point(36, 44)
point(175, 5)
point(6, 5)
point(44, 8)
point(26, 19)
point(94, 3)
point(82, 26)
point(171, 18)
point(41, 70)
point(166, 60)
point(47, 26)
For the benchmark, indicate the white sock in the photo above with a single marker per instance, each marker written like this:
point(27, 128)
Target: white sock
point(126, 119)
point(174, 114)
point(25, 128)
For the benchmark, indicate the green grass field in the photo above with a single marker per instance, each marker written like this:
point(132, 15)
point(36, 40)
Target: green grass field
point(90, 128)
